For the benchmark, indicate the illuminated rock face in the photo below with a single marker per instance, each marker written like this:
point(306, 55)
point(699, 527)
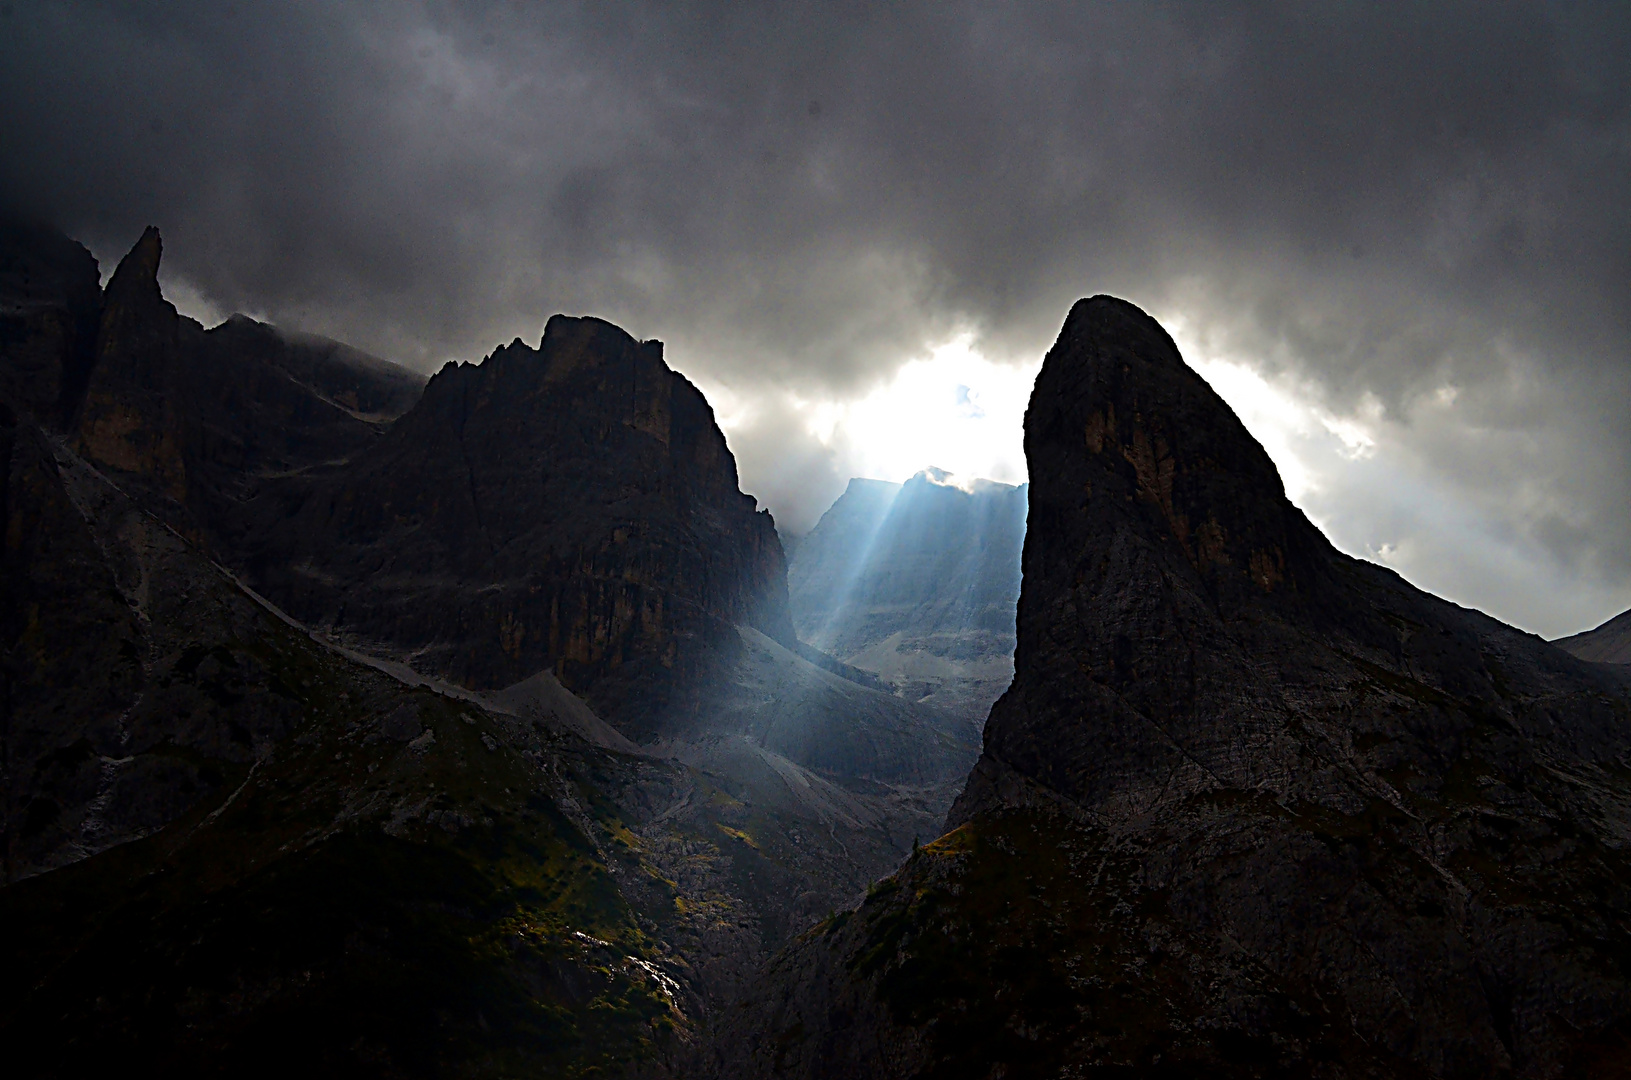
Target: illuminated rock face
point(917, 583)
point(572, 507)
point(1251, 807)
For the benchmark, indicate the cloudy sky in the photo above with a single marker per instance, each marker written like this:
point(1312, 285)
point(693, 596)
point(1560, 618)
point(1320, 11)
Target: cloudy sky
point(1396, 238)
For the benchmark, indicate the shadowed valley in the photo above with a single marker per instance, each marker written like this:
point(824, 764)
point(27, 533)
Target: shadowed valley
point(361, 724)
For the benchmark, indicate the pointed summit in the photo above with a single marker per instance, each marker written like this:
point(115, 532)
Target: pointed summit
point(1250, 807)
point(128, 419)
point(136, 279)
point(139, 325)
point(1165, 459)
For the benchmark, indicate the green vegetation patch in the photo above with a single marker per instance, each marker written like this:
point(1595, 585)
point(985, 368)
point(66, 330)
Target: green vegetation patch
point(359, 907)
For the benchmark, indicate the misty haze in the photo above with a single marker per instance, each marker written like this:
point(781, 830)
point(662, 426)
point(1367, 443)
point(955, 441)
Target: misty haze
point(820, 542)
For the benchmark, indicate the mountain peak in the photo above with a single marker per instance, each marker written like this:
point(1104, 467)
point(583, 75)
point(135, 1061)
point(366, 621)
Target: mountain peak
point(136, 279)
point(939, 477)
point(1243, 789)
point(527, 469)
point(571, 342)
point(1166, 458)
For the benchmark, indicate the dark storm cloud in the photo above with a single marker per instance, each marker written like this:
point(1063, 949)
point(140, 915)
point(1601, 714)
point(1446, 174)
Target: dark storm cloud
point(1367, 200)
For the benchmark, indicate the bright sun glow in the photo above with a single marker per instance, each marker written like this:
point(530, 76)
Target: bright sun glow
point(961, 412)
point(953, 409)
point(1351, 471)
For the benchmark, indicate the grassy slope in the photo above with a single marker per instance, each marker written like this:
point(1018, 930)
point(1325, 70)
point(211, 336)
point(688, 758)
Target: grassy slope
point(359, 906)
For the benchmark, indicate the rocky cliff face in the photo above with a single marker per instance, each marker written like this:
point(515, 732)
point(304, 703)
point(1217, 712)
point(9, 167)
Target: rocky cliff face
point(230, 848)
point(1251, 807)
point(201, 420)
point(917, 584)
point(571, 507)
point(50, 305)
point(132, 680)
point(235, 845)
point(1609, 643)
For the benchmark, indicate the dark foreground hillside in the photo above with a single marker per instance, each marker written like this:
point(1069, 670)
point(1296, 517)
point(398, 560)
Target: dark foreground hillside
point(384, 834)
point(1250, 808)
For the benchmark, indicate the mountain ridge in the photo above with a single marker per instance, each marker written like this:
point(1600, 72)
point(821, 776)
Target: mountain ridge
point(586, 460)
point(1250, 807)
point(239, 839)
point(1609, 643)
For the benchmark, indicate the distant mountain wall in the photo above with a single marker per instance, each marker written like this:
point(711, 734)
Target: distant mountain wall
point(571, 507)
point(918, 584)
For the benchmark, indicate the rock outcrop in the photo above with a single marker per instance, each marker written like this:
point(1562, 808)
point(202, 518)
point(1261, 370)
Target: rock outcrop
point(1251, 807)
point(1609, 643)
point(201, 420)
point(134, 681)
point(572, 507)
point(50, 306)
point(917, 585)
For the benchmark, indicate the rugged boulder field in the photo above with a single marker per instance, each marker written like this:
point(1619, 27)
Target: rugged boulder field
point(1250, 808)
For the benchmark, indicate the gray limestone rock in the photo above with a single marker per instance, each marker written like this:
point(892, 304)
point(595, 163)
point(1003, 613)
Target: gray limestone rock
point(571, 508)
